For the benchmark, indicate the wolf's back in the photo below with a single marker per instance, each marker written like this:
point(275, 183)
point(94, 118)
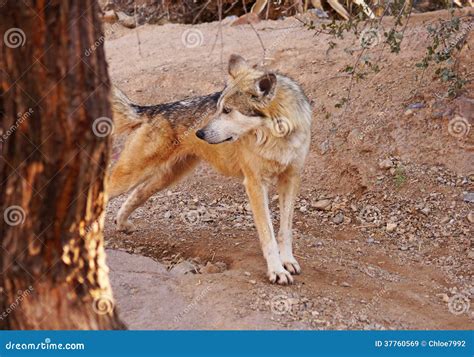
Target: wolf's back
point(129, 115)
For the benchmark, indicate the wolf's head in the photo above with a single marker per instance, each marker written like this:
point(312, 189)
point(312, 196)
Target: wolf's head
point(246, 104)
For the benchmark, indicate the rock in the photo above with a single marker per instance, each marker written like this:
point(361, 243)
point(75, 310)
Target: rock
point(338, 218)
point(126, 20)
point(185, 267)
point(370, 240)
point(346, 284)
point(409, 112)
point(109, 16)
point(246, 273)
point(391, 227)
point(319, 13)
point(386, 164)
point(445, 220)
point(167, 214)
point(443, 297)
point(323, 205)
point(468, 197)
point(253, 282)
point(426, 211)
point(470, 217)
point(470, 255)
point(324, 147)
point(211, 268)
point(416, 106)
point(303, 209)
point(363, 318)
point(466, 107)
point(229, 19)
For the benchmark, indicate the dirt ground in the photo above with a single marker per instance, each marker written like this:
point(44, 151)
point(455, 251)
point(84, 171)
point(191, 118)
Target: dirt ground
point(383, 224)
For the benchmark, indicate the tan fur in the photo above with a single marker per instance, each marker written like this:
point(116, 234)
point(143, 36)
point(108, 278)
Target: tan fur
point(260, 131)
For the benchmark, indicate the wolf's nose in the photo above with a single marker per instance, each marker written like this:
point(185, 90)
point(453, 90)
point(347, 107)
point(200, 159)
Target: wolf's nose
point(200, 134)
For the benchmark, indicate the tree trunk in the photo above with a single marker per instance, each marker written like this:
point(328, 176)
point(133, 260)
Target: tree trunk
point(54, 108)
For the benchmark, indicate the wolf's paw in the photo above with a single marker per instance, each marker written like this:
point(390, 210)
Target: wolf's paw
point(126, 227)
point(292, 266)
point(280, 276)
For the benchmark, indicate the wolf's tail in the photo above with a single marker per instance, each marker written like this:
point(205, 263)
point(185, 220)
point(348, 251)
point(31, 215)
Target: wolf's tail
point(126, 119)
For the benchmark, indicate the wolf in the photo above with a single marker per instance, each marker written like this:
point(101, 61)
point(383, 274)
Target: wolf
point(257, 129)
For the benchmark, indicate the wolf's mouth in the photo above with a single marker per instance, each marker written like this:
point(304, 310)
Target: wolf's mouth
point(231, 138)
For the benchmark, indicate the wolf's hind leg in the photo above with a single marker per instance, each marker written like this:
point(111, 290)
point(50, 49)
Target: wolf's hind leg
point(288, 185)
point(160, 180)
point(145, 150)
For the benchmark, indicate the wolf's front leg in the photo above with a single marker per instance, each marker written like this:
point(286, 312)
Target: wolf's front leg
point(288, 185)
point(258, 197)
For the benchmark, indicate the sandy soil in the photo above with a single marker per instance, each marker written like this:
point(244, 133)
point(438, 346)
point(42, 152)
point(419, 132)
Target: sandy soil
point(388, 157)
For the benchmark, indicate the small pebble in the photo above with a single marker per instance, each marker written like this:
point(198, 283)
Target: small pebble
point(391, 227)
point(386, 164)
point(338, 218)
point(443, 297)
point(468, 197)
point(324, 205)
point(470, 217)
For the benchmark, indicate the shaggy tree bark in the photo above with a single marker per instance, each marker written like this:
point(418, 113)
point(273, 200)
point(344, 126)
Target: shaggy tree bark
point(54, 86)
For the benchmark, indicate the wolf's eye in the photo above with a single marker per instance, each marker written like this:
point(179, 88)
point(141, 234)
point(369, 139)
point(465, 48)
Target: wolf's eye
point(226, 110)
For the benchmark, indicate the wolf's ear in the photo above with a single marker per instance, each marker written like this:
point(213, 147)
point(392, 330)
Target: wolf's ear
point(266, 84)
point(236, 65)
